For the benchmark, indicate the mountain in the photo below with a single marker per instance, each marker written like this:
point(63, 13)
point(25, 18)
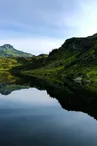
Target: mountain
point(9, 51)
point(76, 60)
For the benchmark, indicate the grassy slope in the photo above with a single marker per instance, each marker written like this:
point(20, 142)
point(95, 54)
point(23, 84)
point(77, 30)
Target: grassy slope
point(8, 51)
point(7, 63)
point(75, 59)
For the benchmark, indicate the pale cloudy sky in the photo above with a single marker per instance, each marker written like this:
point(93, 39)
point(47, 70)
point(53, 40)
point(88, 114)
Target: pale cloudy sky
point(38, 26)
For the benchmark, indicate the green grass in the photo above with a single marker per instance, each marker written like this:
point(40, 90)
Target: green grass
point(76, 58)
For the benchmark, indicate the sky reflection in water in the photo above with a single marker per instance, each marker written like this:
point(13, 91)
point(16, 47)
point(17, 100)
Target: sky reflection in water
point(31, 118)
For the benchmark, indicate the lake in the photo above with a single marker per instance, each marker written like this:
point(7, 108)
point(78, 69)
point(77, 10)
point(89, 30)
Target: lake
point(30, 117)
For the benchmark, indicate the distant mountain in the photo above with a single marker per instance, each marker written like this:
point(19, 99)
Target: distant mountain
point(8, 50)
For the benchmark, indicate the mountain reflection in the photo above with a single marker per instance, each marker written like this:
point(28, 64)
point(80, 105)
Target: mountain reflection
point(70, 96)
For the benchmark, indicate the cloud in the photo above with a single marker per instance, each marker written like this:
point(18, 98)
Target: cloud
point(50, 18)
point(42, 25)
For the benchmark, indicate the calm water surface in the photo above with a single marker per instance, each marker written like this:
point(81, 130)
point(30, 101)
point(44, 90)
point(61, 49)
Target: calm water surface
point(30, 117)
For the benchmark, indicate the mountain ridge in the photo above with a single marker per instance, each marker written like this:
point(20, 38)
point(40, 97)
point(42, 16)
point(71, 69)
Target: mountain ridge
point(8, 50)
point(75, 59)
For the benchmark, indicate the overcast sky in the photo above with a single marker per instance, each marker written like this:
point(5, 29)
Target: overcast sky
point(38, 26)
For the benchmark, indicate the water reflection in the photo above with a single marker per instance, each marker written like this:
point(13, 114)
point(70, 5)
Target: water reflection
point(71, 97)
point(26, 98)
point(30, 117)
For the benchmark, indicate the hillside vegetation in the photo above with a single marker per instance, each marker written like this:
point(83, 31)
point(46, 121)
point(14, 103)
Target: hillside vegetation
point(9, 51)
point(75, 59)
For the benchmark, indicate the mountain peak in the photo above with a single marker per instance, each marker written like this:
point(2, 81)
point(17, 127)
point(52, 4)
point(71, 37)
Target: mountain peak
point(7, 46)
point(8, 50)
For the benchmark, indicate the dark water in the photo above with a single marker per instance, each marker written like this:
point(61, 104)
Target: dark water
point(30, 117)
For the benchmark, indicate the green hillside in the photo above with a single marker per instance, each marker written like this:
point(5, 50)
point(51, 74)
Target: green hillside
point(75, 59)
point(8, 51)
